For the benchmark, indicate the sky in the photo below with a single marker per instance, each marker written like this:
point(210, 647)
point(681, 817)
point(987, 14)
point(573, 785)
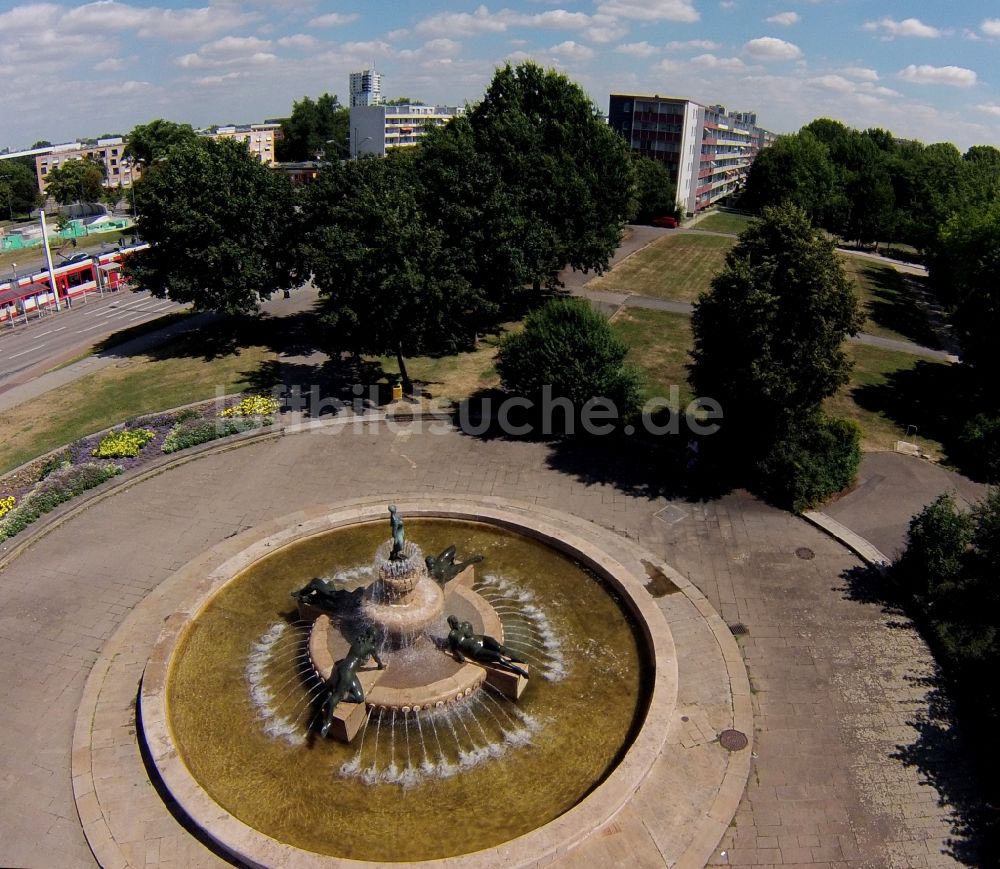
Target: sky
point(924, 70)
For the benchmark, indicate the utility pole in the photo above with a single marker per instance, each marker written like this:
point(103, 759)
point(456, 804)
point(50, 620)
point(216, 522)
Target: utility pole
point(48, 261)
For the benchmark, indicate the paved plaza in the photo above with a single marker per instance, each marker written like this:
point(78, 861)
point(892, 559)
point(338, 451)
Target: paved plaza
point(850, 767)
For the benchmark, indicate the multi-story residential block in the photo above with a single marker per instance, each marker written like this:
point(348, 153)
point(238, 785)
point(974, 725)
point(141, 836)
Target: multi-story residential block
point(118, 171)
point(707, 149)
point(259, 138)
point(376, 129)
point(366, 88)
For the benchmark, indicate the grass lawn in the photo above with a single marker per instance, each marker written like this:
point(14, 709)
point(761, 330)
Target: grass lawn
point(447, 380)
point(891, 311)
point(133, 386)
point(723, 221)
point(659, 342)
point(677, 267)
point(874, 368)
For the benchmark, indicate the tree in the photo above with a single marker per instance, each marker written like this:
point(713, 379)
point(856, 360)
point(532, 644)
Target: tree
point(149, 142)
point(568, 174)
point(315, 128)
point(655, 192)
point(18, 190)
point(569, 348)
point(767, 342)
point(390, 285)
point(965, 268)
point(75, 181)
point(797, 169)
point(221, 227)
point(403, 101)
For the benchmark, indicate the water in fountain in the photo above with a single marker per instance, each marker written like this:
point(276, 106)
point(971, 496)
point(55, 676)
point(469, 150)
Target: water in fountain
point(240, 705)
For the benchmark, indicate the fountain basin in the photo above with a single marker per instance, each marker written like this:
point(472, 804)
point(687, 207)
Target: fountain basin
point(597, 801)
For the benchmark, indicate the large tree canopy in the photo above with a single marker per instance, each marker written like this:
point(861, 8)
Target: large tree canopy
point(796, 168)
point(18, 190)
point(768, 335)
point(390, 283)
point(149, 142)
point(568, 174)
point(221, 228)
point(75, 181)
point(655, 192)
point(315, 129)
point(965, 267)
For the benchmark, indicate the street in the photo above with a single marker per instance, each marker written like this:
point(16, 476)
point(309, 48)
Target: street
point(28, 349)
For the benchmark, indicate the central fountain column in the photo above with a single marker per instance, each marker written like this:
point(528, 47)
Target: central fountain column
point(404, 600)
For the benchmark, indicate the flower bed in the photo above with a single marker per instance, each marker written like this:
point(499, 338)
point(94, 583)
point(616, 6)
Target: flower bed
point(123, 444)
point(39, 486)
point(191, 432)
point(253, 405)
point(57, 487)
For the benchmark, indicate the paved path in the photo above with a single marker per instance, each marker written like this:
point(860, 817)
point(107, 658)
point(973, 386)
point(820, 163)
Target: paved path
point(842, 777)
point(891, 489)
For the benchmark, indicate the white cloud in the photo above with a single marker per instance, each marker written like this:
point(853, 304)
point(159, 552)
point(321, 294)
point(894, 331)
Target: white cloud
point(991, 27)
point(110, 64)
point(234, 46)
point(650, 10)
point(710, 61)
point(989, 109)
point(703, 44)
point(570, 50)
point(860, 72)
point(953, 76)
point(636, 49)
point(600, 27)
point(298, 40)
point(833, 83)
point(332, 19)
point(771, 48)
point(786, 19)
point(913, 27)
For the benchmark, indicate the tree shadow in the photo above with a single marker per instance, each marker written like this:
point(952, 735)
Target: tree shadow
point(936, 399)
point(894, 307)
point(638, 463)
point(944, 748)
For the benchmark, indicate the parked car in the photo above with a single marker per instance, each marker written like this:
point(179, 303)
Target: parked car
point(668, 222)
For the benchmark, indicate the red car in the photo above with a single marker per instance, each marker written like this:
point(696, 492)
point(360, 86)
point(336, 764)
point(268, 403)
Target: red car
point(668, 222)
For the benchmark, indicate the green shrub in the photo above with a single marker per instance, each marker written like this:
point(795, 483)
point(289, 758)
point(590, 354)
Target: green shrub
point(568, 346)
point(59, 486)
point(192, 432)
point(124, 443)
point(813, 459)
point(980, 444)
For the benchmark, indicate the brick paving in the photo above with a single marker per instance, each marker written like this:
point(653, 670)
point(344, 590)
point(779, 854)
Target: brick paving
point(841, 687)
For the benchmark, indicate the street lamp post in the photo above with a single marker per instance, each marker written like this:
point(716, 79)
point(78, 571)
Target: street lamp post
point(357, 144)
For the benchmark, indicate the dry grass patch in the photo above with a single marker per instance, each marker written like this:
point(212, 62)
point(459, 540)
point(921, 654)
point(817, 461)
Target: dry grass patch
point(660, 343)
point(678, 267)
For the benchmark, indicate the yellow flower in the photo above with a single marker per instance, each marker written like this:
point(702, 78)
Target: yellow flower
point(253, 405)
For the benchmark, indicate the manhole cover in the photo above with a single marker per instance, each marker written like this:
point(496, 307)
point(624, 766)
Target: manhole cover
point(805, 553)
point(671, 514)
point(739, 629)
point(733, 740)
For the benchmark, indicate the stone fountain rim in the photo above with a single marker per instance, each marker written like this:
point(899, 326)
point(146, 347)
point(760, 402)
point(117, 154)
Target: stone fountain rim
point(545, 843)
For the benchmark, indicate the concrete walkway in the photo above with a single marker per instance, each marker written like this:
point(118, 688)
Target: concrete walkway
point(841, 689)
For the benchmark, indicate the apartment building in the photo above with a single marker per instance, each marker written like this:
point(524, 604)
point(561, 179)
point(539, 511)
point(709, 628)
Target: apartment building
point(707, 149)
point(366, 88)
point(376, 129)
point(117, 170)
point(259, 138)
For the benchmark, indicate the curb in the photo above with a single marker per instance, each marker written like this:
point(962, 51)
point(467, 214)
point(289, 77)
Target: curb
point(865, 550)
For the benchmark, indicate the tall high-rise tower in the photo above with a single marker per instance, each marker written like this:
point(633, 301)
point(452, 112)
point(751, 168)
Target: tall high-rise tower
point(366, 88)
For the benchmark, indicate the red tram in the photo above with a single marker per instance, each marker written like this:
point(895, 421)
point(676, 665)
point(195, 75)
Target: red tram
point(86, 274)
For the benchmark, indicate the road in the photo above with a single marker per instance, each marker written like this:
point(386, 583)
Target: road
point(28, 349)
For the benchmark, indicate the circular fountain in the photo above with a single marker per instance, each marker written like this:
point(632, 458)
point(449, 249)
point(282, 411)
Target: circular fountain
point(462, 755)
